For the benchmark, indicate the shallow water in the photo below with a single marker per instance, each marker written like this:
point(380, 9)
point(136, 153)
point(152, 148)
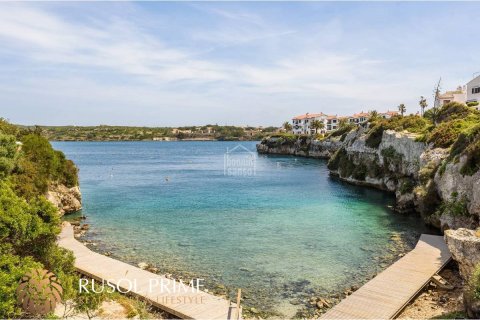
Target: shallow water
point(288, 231)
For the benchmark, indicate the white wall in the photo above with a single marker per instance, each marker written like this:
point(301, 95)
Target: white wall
point(475, 83)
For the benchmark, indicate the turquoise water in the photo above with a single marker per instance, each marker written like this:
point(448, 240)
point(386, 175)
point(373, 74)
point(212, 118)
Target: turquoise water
point(286, 232)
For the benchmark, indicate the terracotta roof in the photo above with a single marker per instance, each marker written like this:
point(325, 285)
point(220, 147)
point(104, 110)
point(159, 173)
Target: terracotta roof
point(361, 114)
point(309, 115)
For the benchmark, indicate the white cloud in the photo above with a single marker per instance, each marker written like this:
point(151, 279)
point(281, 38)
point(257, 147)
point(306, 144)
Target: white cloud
point(235, 70)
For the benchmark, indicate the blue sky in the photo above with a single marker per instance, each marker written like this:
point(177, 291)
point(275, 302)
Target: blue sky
point(250, 63)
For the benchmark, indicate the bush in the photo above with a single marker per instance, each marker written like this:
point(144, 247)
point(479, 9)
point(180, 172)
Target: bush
point(447, 133)
point(8, 150)
point(407, 186)
point(341, 131)
point(39, 166)
point(360, 172)
point(12, 269)
point(455, 110)
point(472, 165)
point(456, 206)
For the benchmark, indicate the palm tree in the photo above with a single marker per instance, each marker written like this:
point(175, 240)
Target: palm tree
point(432, 114)
point(423, 105)
point(373, 115)
point(287, 126)
point(317, 124)
point(402, 109)
point(342, 123)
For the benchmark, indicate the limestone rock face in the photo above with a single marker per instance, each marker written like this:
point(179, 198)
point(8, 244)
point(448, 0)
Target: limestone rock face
point(67, 200)
point(305, 148)
point(465, 248)
point(452, 181)
point(404, 144)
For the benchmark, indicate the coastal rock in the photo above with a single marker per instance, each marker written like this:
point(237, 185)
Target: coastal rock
point(307, 147)
point(67, 200)
point(451, 181)
point(143, 265)
point(464, 245)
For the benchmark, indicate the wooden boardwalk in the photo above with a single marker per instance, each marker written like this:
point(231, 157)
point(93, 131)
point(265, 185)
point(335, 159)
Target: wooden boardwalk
point(185, 305)
point(385, 296)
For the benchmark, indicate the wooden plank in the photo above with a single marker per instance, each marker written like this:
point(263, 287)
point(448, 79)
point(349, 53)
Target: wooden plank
point(389, 292)
point(181, 304)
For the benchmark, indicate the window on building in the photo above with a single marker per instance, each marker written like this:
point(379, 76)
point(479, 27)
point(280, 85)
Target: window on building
point(475, 90)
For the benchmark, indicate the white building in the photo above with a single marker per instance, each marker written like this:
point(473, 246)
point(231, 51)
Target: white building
point(458, 95)
point(473, 90)
point(301, 124)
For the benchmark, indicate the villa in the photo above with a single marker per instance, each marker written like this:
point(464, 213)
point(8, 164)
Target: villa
point(302, 124)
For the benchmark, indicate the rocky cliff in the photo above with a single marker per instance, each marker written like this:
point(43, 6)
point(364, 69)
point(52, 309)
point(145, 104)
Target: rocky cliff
point(67, 200)
point(418, 173)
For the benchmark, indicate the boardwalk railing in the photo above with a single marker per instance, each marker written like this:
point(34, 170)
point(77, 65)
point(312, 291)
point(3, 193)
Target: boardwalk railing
point(185, 304)
point(385, 296)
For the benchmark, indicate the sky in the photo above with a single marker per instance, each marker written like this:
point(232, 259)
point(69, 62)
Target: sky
point(227, 63)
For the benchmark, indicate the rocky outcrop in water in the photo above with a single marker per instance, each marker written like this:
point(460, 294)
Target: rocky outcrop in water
point(304, 147)
point(67, 200)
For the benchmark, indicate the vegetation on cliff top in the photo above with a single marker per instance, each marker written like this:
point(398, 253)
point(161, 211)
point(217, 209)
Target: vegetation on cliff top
point(124, 133)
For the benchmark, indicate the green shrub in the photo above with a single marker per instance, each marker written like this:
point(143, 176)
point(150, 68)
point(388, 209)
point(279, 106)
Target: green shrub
point(39, 166)
point(472, 164)
point(455, 110)
point(474, 283)
point(343, 130)
point(12, 269)
point(360, 172)
point(407, 186)
point(8, 128)
point(456, 206)
point(391, 155)
point(8, 150)
point(445, 134)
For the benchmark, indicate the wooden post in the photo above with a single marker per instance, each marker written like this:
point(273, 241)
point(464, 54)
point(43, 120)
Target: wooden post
point(239, 295)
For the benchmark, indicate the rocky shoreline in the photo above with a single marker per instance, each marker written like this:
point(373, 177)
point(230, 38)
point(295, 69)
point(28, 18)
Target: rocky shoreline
point(67, 200)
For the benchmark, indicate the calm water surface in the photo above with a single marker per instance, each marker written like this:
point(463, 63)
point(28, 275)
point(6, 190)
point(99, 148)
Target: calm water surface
point(286, 232)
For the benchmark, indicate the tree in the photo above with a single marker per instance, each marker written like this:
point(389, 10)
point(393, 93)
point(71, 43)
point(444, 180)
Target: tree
point(317, 124)
point(342, 123)
point(287, 126)
point(423, 105)
point(432, 114)
point(402, 109)
point(373, 115)
point(436, 93)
